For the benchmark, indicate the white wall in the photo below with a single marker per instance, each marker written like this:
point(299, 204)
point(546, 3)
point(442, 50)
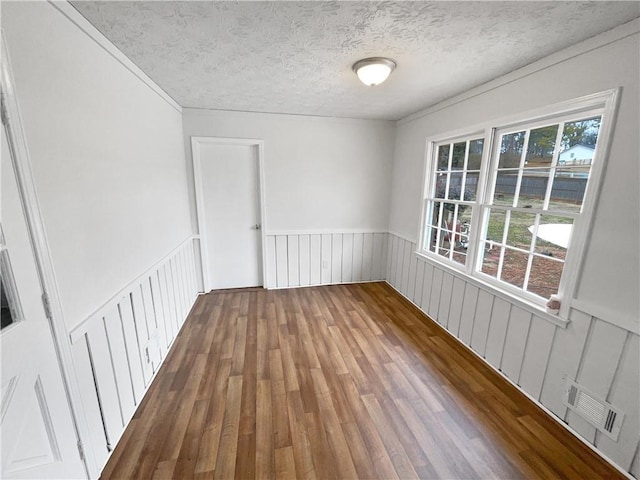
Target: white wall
point(321, 173)
point(532, 352)
point(107, 154)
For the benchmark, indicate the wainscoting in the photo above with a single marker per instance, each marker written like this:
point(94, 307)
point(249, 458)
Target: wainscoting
point(119, 348)
point(530, 351)
point(302, 259)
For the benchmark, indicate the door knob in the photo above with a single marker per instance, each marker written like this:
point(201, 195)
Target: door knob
point(256, 226)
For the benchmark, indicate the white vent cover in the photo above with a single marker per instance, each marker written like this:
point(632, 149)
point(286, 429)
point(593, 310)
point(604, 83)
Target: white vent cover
point(593, 409)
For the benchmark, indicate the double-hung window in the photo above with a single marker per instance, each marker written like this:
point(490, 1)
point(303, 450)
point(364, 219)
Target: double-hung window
point(510, 204)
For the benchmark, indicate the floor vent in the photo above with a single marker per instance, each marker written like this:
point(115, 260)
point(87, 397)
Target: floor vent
point(593, 409)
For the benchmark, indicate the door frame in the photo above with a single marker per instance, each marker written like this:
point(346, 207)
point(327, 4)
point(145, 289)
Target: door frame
point(21, 161)
point(196, 143)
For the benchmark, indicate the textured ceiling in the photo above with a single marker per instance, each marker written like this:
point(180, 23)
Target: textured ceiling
point(296, 57)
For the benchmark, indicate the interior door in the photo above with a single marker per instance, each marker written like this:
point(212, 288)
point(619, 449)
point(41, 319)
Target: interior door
point(36, 428)
point(229, 187)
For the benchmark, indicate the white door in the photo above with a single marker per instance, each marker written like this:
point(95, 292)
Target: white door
point(38, 438)
point(229, 211)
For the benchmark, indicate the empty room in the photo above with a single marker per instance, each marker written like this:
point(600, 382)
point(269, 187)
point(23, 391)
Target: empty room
point(320, 239)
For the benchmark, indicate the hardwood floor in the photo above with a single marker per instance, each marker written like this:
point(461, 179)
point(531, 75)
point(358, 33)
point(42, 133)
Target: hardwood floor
point(346, 381)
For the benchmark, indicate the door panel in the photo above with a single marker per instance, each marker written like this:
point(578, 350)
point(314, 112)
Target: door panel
point(37, 433)
point(229, 176)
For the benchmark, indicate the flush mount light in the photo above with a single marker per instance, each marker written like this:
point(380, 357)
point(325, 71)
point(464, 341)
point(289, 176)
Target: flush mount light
point(374, 70)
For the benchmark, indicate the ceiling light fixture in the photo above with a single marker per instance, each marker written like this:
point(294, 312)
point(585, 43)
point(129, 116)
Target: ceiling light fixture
point(373, 71)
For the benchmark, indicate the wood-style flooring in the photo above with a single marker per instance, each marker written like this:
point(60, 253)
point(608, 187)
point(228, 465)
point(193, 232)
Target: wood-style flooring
point(345, 381)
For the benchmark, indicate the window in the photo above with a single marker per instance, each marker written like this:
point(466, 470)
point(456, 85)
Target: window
point(513, 217)
point(454, 186)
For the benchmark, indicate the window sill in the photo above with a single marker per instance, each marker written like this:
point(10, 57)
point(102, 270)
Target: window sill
point(520, 302)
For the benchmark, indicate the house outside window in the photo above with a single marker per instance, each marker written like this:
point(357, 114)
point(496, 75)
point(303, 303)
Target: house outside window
point(510, 204)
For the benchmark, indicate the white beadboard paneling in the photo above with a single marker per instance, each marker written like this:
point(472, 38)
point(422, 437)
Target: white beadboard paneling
point(406, 268)
point(436, 288)
point(417, 298)
point(134, 355)
point(413, 266)
point(90, 405)
point(119, 361)
point(379, 256)
point(109, 347)
point(142, 326)
point(315, 259)
point(468, 313)
point(383, 263)
point(176, 289)
point(336, 258)
point(455, 309)
point(149, 309)
point(305, 259)
point(171, 295)
point(497, 331)
point(536, 356)
point(564, 360)
point(347, 257)
point(599, 363)
point(392, 260)
point(270, 253)
point(168, 309)
point(282, 268)
point(481, 322)
point(515, 342)
point(625, 394)
point(105, 381)
point(326, 261)
point(179, 284)
point(426, 287)
point(445, 299)
point(293, 258)
point(356, 270)
point(391, 263)
point(367, 257)
point(158, 306)
point(138, 319)
point(193, 284)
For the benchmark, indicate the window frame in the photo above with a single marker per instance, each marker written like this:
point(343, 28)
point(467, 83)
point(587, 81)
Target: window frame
point(603, 104)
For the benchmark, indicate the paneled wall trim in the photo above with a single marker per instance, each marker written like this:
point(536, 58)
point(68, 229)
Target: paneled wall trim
point(322, 258)
point(119, 348)
point(532, 353)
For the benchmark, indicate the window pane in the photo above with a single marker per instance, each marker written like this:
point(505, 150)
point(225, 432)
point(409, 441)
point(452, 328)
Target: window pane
point(545, 275)
point(519, 234)
point(490, 259)
point(441, 185)
point(569, 185)
point(533, 188)
point(455, 185)
point(475, 154)
point(578, 142)
point(542, 143)
point(511, 150)
point(553, 236)
point(460, 256)
point(435, 213)
point(505, 188)
point(495, 226)
point(443, 157)
point(514, 267)
point(457, 161)
point(470, 186)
